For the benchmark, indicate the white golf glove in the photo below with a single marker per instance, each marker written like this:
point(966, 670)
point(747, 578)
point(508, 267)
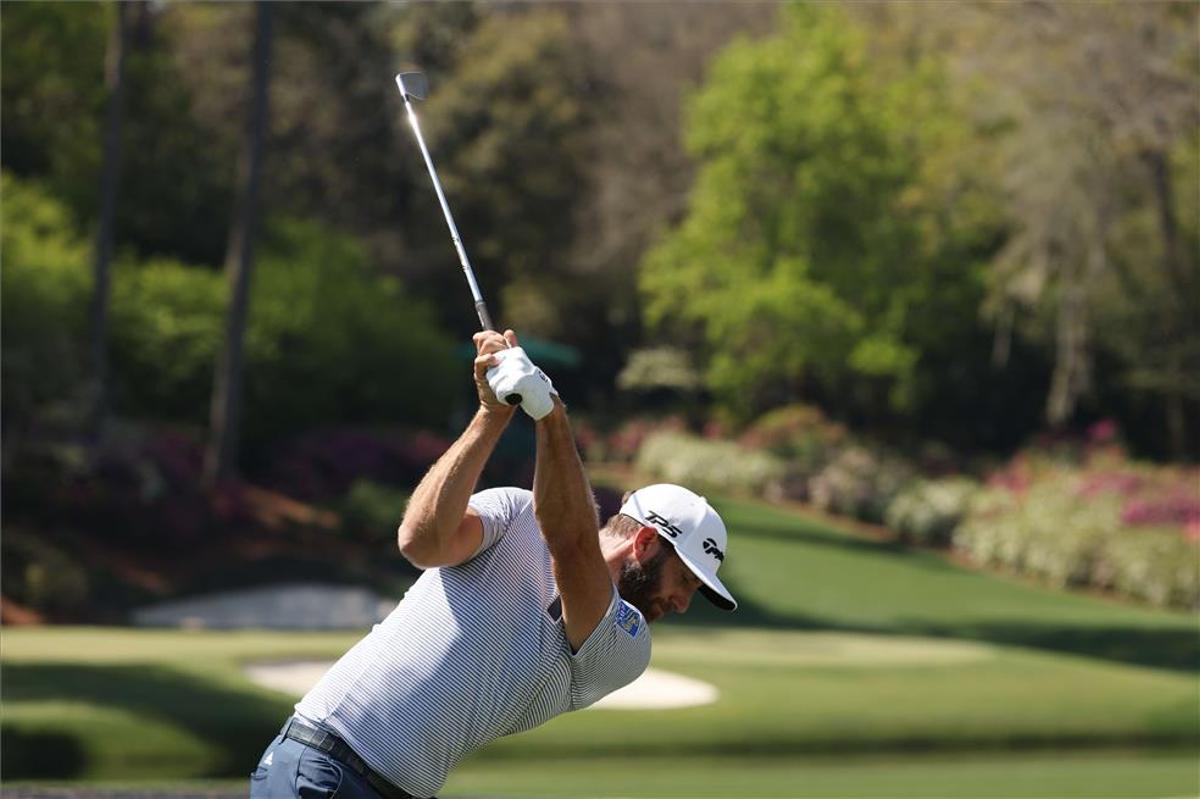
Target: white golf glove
point(515, 379)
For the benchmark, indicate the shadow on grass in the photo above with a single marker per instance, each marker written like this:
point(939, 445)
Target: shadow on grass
point(237, 725)
point(1167, 742)
point(26, 754)
point(1175, 649)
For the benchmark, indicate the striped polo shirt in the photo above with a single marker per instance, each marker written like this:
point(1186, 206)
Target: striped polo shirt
point(471, 653)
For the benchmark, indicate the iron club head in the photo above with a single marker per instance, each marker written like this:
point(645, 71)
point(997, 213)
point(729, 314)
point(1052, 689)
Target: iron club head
point(413, 84)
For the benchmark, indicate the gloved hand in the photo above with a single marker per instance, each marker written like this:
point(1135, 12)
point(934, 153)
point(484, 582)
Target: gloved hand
point(515, 380)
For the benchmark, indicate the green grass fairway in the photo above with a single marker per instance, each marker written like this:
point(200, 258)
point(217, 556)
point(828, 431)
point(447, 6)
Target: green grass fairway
point(793, 571)
point(1121, 774)
point(850, 666)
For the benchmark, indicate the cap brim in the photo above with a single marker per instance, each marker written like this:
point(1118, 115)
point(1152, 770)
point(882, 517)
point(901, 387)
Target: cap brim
point(712, 588)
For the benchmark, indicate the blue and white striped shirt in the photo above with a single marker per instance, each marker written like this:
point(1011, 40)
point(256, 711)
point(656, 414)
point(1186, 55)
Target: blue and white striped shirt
point(471, 653)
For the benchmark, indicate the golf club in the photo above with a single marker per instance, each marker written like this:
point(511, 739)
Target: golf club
point(414, 85)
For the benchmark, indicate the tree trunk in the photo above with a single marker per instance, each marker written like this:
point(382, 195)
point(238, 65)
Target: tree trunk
point(114, 82)
point(220, 460)
point(1073, 357)
point(1070, 362)
point(1173, 391)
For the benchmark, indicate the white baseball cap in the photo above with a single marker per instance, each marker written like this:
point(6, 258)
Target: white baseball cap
point(694, 529)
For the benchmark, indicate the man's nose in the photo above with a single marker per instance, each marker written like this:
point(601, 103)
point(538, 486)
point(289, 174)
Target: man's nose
point(682, 600)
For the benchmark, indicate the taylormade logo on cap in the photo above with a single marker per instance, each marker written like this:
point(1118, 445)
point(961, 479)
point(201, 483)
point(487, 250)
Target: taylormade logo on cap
point(694, 529)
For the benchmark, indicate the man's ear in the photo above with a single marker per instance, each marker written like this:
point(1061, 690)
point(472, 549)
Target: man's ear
point(646, 543)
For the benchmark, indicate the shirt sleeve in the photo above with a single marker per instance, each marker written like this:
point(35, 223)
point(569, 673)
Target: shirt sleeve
point(614, 655)
point(497, 508)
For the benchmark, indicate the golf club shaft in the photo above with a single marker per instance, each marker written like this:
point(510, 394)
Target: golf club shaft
point(485, 319)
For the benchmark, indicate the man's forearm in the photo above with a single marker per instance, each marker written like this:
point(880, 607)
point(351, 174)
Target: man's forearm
point(437, 505)
point(562, 496)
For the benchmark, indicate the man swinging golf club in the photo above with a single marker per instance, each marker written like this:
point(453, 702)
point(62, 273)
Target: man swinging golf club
point(527, 608)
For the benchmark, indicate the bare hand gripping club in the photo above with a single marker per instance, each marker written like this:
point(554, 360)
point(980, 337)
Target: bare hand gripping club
point(513, 377)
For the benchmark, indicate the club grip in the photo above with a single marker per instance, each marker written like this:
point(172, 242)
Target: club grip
point(485, 318)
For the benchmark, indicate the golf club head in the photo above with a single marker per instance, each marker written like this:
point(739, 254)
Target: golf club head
point(413, 84)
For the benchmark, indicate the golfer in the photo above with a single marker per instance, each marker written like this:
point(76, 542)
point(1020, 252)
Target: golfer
point(526, 609)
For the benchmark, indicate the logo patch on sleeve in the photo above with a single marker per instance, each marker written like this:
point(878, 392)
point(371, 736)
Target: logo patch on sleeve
point(628, 619)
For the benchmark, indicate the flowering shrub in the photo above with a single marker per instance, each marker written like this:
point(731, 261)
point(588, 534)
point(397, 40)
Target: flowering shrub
point(801, 435)
point(1107, 523)
point(325, 463)
point(928, 511)
point(1157, 565)
point(1046, 531)
point(1123, 483)
point(860, 483)
point(699, 463)
point(794, 430)
point(624, 443)
point(142, 487)
point(1181, 509)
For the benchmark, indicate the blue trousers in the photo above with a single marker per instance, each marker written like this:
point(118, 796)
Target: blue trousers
point(291, 770)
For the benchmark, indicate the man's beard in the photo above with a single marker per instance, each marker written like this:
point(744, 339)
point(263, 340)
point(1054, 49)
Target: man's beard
point(640, 582)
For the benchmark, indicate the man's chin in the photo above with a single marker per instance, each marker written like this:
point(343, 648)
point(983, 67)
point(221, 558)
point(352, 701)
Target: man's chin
point(651, 610)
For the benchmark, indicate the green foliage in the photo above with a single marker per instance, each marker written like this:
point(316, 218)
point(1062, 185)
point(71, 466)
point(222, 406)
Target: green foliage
point(52, 85)
point(861, 483)
point(175, 176)
point(372, 511)
point(1096, 266)
point(331, 339)
point(802, 255)
point(708, 465)
point(45, 286)
point(40, 575)
point(506, 126)
point(328, 340)
point(928, 511)
point(168, 322)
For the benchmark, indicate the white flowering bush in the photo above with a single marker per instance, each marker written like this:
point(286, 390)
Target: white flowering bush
point(696, 462)
point(1073, 527)
point(928, 511)
point(860, 483)
point(1045, 531)
point(1157, 565)
point(989, 534)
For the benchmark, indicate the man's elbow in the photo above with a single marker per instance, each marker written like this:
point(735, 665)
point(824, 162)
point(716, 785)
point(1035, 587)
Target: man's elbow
point(414, 546)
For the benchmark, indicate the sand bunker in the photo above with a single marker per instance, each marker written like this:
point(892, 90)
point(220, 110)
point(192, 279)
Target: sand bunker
point(654, 690)
point(657, 689)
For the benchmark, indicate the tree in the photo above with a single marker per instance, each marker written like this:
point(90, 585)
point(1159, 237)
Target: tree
point(114, 79)
point(53, 89)
point(221, 453)
point(505, 132)
point(1100, 104)
point(810, 262)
